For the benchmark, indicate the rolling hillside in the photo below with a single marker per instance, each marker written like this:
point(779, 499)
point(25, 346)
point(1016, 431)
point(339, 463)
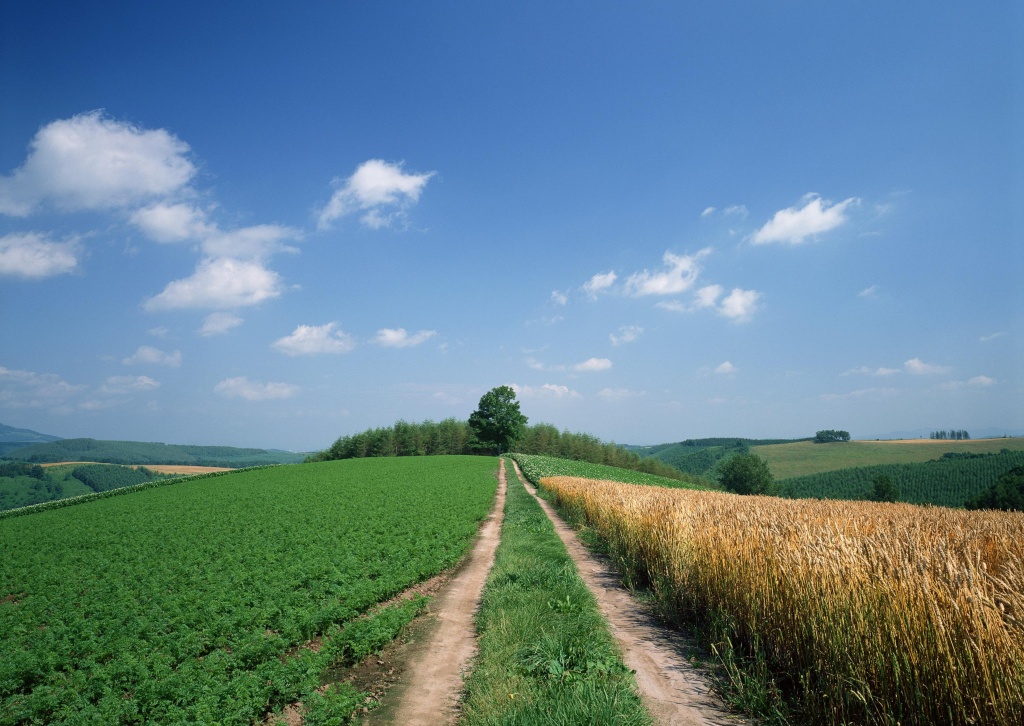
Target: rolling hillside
point(137, 452)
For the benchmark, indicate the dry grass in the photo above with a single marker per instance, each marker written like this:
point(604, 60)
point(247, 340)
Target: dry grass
point(867, 613)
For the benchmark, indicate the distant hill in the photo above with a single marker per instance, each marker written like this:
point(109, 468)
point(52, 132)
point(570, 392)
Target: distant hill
point(137, 452)
point(12, 438)
point(702, 456)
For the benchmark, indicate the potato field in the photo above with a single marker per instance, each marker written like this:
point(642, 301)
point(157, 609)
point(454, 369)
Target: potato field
point(191, 603)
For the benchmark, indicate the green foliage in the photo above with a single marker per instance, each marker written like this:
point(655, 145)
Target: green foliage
point(546, 655)
point(104, 477)
point(137, 452)
point(701, 456)
point(884, 490)
point(746, 474)
point(189, 603)
point(497, 422)
point(831, 436)
point(947, 482)
point(1006, 494)
point(17, 468)
point(536, 467)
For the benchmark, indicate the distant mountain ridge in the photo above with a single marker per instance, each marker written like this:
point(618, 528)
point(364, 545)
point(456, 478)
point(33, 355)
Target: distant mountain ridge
point(12, 438)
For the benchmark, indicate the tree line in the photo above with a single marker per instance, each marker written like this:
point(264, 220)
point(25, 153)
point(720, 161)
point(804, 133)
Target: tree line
point(951, 435)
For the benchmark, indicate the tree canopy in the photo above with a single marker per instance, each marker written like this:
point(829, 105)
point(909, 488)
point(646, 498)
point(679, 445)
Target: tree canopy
point(1007, 493)
point(829, 436)
point(497, 421)
point(746, 474)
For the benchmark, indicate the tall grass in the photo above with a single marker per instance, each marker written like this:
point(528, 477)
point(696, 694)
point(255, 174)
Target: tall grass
point(865, 613)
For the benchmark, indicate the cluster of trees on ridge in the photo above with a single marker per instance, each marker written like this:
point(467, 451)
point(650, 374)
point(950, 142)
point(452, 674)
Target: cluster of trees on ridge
point(951, 435)
point(831, 436)
point(497, 426)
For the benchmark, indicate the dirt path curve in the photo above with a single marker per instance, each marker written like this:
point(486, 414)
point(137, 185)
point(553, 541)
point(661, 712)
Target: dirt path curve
point(430, 695)
point(673, 691)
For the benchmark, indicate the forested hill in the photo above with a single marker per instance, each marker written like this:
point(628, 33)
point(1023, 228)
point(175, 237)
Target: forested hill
point(12, 438)
point(137, 452)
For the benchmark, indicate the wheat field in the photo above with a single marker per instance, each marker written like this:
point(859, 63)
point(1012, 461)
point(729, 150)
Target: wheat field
point(866, 613)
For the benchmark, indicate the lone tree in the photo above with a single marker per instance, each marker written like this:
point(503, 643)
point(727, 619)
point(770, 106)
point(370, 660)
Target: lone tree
point(746, 474)
point(497, 421)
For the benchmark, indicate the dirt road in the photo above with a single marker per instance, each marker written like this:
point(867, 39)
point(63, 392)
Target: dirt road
point(429, 694)
point(672, 690)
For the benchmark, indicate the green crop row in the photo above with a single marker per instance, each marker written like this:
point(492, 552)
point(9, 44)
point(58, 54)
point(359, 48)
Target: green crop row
point(535, 466)
point(190, 603)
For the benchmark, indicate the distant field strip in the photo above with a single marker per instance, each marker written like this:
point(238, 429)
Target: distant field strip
point(804, 457)
point(866, 613)
point(535, 467)
point(190, 603)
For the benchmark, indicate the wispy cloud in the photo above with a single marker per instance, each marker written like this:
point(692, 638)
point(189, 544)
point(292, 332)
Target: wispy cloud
point(860, 393)
point(219, 323)
point(600, 282)
point(868, 371)
point(28, 389)
point(33, 255)
point(620, 394)
point(918, 367)
point(149, 355)
point(313, 339)
point(242, 387)
point(559, 298)
point(122, 385)
point(794, 225)
point(868, 291)
point(993, 336)
point(546, 390)
point(626, 334)
point(378, 189)
point(401, 338)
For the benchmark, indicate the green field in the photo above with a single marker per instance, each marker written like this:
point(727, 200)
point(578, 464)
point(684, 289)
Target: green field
point(535, 466)
point(804, 458)
point(68, 480)
point(189, 603)
point(141, 452)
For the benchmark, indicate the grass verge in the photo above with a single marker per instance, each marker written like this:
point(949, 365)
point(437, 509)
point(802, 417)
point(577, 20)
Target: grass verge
point(546, 655)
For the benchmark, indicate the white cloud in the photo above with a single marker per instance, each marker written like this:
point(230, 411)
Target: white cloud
point(708, 296)
point(92, 162)
point(736, 210)
point(32, 255)
point(981, 382)
point(154, 356)
point(256, 242)
point(219, 323)
point(375, 186)
point(547, 390)
point(219, 283)
point(242, 387)
point(739, 305)
point(592, 365)
point(987, 338)
point(708, 211)
point(919, 368)
point(861, 393)
point(166, 222)
point(725, 368)
point(865, 370)
point(673, 306)
point(868, 291)
point(559, 298)
point(627, 334)
point(400, 337)
point(619, 394)
point(794, 225)
point(27, 389)
point(311, 339)
point(121, 385)
point(681, 273)
point(599, 283)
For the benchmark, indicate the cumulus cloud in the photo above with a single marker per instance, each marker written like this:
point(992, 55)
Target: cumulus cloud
point(626, 334)
point(725, 368)
point(219, 323)
point(312, 339)
point(93, 162)
point(546, 390)
point(378, 189)
point(242, 387)
point(794, 225)
point(147, 354)
point(599, 283)
point(165, 222)
point(707, 296)
point(592, 365)
point(34, 256)
point(122, 385)
point(224, 283)
point(401, 338)
point(28, 389)
point(739, 305)
point(680, 274)
point(919, 368)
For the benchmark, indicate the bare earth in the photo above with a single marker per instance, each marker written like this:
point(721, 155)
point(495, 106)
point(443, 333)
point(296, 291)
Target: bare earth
point(673, 691)
point(428, 692)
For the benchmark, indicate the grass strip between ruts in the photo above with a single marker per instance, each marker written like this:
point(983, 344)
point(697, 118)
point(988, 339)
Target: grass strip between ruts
point(546, 655)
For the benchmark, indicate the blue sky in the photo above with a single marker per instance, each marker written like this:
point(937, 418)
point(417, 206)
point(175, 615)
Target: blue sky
point(263, 225)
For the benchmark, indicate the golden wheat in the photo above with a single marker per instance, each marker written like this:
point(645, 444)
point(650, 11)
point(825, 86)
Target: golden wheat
point(872, 613)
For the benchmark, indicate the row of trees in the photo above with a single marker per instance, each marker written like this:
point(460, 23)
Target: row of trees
point(951, 435)
point(496, 427)
point(829, 436)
